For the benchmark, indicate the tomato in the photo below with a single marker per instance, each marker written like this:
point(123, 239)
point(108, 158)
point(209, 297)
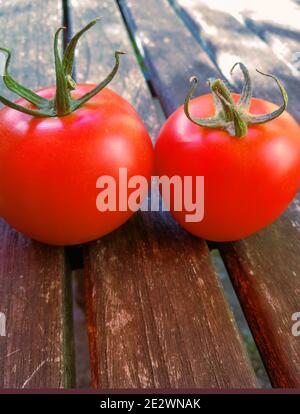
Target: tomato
point(248, 181)
point(55, 146)
point(49, 166)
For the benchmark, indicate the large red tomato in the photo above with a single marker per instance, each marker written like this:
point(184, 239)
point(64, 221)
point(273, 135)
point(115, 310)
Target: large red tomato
point(54, 146)
point(248, 181)
point(49, 166)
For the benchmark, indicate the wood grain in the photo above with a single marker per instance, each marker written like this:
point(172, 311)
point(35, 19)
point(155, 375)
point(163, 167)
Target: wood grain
point(157, 316)
point(159, 30)
point(34, 291)
point(264, 268)
point(228, 39)
point(279, 28)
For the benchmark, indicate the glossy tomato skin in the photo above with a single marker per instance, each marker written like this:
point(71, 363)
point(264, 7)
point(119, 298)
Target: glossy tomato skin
point(49, 166)
point(248, 181)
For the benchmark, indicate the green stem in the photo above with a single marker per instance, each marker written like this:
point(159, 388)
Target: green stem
point(62, 97)
point(62, 104)
point(230, 116)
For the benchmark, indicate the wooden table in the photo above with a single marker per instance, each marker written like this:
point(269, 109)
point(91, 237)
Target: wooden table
point(157, 316)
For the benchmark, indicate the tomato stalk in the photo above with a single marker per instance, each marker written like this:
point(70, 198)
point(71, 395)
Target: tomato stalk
point(62, 104)
point(230, 116)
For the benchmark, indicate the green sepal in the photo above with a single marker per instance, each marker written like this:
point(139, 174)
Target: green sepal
point(19, 89)
point(62, 104)
point(230, 116)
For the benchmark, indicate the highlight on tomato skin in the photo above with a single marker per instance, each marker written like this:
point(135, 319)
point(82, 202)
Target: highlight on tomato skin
point(55, 143)
point(249, 180)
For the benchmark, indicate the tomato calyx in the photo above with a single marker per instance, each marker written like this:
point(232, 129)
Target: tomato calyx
point(230, 116)
point(62, 104)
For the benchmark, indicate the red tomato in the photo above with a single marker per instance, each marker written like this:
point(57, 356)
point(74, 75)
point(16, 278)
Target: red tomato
point(49, 166)
point(248, 181)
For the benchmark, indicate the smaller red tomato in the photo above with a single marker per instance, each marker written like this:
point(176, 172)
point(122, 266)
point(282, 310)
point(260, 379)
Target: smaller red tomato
point(248, 180)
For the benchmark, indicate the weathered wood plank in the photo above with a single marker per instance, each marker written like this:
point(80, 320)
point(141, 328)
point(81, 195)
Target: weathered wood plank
point(278, 26)
point(157, 37)
point(228, 40)
point(265, 270)
point(159, 316)
point(156, 313)
point(35, 353)
point(263, 264)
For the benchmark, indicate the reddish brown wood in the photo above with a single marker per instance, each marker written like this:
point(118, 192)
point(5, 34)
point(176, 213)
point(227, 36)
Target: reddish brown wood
point(262, 266)
point(31, 276)
point(36, 351)
point(156, 313)
point(228, 39)
point(267, 280)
